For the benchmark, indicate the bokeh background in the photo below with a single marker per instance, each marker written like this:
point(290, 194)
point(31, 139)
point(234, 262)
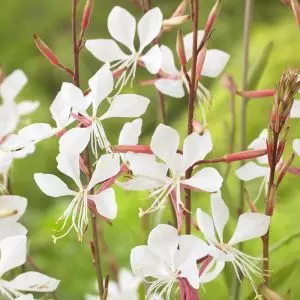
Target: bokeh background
point(70, 260)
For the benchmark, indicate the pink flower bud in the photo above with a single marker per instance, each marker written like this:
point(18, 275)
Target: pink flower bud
point(168, 24)
point(86, 15)
point(212, 16)
point(295, 5)
point(198, 127)
point(200, 62)
point(248, 154)
point(133, 148)
point(228, 83)
point(257, 94)
point(180, 49)
point(181, 8)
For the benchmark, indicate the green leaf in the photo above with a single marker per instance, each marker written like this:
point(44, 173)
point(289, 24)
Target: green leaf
point(260, 67)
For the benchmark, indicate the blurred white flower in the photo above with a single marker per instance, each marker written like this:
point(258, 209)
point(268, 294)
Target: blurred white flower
point(126, 288)
point(122, 27)
point(13, 254)
point(11, 210)
point(75, 140)
point(107, 166)
point(152, 175)
point(166, 258)
point(252, 170)
point(249, 226)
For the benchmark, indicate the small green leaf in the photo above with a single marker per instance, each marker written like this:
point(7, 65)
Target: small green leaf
point(260, 67)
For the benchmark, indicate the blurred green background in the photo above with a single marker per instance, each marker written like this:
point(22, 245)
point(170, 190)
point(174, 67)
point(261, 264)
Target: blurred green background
point(70, 260)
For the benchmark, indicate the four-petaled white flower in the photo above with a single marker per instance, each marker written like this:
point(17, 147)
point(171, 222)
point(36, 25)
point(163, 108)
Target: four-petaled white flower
point(122, 27)
point(173, 81)
point(249, 226)
point(107, 166)
point(13, 255)
point(75, 140)
point(126, 288)
point(252, 170)
point(152, 175)
point(166, 258)
point(11, 210)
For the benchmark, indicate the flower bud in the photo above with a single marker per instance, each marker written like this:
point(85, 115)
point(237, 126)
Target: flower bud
point(86, 15)
point(284, 169)
point(248, 154)
point(212, 16)
point(271, 200)
point(168, 24)
point(295, 6)
point(180, 50)
point(269, 294)
point(181, 8)
point(198, 127)
point(257, 94)
point(200, 62)
point(228, 83)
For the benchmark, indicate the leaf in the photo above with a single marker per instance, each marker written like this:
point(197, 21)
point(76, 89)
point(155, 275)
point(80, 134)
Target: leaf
point(260, 67)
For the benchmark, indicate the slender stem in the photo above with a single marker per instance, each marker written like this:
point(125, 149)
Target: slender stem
point(191, 105)
point(93, 216)
point(235, 294)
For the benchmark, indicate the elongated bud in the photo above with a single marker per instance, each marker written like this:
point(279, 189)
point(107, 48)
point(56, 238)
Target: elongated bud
point(229, 83)
point(257, 94)
point(180, 50)
point(248, 154)
point(269, 294)
point(212, 16)
point(132, 148)
point(181, 8)
point(83, 167)
point(93, 251)
point(295, 6)
point(198, 127)
point(169, 24)
point(200, 62)
point(286, 2)
point(271, 200)
point(86, 15)
point(281, 145)
point(284, 169)
point(46, 51)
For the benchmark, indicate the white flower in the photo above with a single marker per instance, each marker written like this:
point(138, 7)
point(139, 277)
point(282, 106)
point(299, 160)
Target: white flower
point(166, 258)
point(126, 288)
point(249, 226)
point(11, 210)
point(152, 175)
point(122, 27)
point(13, 254)
point(107, 166)
point(295, 111)
point(174, 81)
point(122, 106)
point(251, 170)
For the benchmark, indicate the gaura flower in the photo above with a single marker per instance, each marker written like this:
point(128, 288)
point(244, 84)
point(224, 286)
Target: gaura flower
point(152, 175)
point(166, 258)
point(122, 27)
point(249, 226)
point(252, 170)
point(11, 210)
point(75, 140)
point(173, 81)
point(126, 288)
point(77, 212)
point(13, 255)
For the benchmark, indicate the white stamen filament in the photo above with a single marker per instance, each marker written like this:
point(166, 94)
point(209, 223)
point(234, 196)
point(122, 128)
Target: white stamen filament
point(77, 210)
point(8, 292)
point(99, 139)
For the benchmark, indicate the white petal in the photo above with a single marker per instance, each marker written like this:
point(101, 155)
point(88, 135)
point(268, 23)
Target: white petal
point(251, 171)
point(188, 43)
point(212, 271)
point(106, 204)
point(15, 204)
point(145, 263)
point(127, 281)
point(12, 85)
point(9, 118)
point(220, 213)
point(196, 147)
point(296, 146)
point(190, 271)
point(127, 106)
point(12, 253)
point(163, 241)
point(131, 132)
point(105, 50)
point(27, 107)
point(250, 226)
point(164, 143)
point(26, 297)
point(168, 63)
point(60, 111)
point(206, 225)
point(149, 27)
point(36, 132)
point(107, 166)
point(207, 179)
point(11, 229)
point(170, 87)
point(260, 142)
point(152, 60)
point(69, 165)
point(139, 184)
point(101, 84)
point(73, 97)
point(295, 111)
point(34, 282)
point(75, 140)
point(52, 185)
point(214, 63)
point(122, 26)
